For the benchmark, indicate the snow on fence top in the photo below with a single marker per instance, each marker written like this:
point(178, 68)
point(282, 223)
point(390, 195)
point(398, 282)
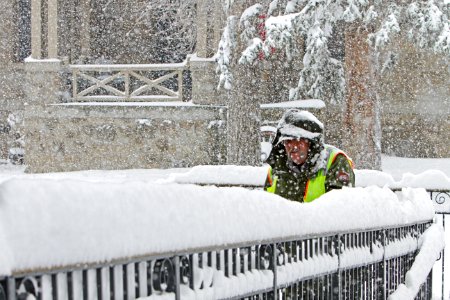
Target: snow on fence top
point(222, 175)
point(308, 103)
point(430, 179)
point(47, 222)
point(256, 176)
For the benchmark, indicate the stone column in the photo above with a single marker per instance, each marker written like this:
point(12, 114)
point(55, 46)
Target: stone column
point(43, 73)
point(202, 22)
point(202, 67)
point(42, 89)
point(218, 25)
point(84, 31)
point(52, 28)
point(42, 81)
point(36, 29)
point(42, 78)
point(205, 81)
point(7, 73)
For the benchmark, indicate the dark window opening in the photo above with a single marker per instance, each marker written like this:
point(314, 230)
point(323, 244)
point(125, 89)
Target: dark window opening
point(23, 44)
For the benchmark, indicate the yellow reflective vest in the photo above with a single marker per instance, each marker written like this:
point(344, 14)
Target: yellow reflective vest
point(315, 187)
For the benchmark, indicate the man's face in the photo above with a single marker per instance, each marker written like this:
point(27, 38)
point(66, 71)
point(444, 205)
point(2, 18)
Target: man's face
point(297, 150)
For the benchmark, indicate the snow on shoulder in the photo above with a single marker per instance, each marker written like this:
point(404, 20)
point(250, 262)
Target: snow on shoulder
point(50, 223)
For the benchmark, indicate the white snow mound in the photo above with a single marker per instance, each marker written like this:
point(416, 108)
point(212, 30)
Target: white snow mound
point(48, 223)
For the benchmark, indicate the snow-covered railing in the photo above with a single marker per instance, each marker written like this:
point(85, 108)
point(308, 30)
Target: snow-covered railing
point(357, 265)
point(78, 239)
point(435, 182)
point(133, 82)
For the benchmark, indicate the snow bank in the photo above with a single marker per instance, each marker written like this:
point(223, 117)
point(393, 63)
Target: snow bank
point(430, 179)
point(432, 244)
point(62, 222)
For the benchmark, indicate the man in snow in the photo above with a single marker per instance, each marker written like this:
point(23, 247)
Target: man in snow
point(302, 166)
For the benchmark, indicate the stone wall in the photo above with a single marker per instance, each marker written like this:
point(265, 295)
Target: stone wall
point(80, 137)
point(13, 47)
point(12, 79)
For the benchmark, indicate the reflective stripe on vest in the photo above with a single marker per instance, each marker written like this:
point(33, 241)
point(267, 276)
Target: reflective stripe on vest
point(272, 181)
point(315, 187)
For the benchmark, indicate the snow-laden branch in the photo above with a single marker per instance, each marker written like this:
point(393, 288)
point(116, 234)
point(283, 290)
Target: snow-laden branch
point(389, 28)
point(248, 21)
point(225, 53)
point(250, 54)
point(426, 23)
point(429, 25)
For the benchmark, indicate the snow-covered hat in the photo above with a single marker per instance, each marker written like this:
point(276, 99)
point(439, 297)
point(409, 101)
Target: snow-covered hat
point(296, 124)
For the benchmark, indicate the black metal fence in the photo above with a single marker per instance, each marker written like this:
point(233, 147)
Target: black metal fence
point(441, 201)
point(367, 264)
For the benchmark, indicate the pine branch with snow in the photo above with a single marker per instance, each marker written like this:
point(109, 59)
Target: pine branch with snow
point(322, 77)
point(426, 23)
point(248, 21)
point(389, 28)
point(429, 25)
point(224, 58)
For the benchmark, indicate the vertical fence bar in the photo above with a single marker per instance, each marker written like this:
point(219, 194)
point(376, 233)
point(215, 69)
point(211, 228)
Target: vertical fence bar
point(383, 269)
point(443, 261)
point(337, 251)
point(177, 277)
point(11, 288)
point(274, 266)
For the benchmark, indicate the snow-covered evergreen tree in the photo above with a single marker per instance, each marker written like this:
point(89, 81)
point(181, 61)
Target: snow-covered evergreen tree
point(369, 24)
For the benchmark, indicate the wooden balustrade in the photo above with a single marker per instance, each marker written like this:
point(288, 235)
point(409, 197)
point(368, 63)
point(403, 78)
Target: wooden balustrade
point(147, 82)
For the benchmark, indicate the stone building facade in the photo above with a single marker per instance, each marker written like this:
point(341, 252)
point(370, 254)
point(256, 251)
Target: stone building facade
point(36, 101)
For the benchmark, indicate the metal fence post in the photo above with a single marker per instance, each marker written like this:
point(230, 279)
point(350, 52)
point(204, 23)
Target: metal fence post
point(443, 261)
point(274, 265)
point(337, 281)
point(177, 277)
point(383, 267)
point(11, 289)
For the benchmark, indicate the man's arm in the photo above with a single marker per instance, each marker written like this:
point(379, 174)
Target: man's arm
point(340, 174)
